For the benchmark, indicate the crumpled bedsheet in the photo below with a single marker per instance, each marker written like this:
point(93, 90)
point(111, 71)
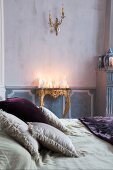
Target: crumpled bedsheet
point(13, 156)
point(98, 154)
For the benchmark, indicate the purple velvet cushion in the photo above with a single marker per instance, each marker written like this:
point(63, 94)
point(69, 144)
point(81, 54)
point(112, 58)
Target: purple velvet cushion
point(23, 109)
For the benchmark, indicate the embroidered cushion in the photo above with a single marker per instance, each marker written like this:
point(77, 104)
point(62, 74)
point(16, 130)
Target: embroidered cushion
point(53, 139)
point(18, 130)
point(23, 109)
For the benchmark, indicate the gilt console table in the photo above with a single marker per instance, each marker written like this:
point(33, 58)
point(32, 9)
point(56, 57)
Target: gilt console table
point(55, 92)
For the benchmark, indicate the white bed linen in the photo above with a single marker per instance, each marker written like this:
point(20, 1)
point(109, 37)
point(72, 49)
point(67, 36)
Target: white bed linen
point(98, 156)
point(13, 156)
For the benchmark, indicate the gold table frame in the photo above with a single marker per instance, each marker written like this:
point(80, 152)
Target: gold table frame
point(55, 92)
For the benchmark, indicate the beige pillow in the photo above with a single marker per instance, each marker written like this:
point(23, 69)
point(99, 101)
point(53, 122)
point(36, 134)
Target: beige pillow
point(54, 120)
point(18, 129)
point(53, 139)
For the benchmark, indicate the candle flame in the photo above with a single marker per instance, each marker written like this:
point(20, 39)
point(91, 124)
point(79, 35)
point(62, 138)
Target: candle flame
point(50, 83)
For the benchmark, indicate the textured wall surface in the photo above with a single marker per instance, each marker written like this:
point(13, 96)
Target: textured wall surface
point(111, 26)
point(31, 50)
point(2, 85)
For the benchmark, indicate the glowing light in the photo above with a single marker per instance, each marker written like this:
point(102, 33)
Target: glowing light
point(51, 83)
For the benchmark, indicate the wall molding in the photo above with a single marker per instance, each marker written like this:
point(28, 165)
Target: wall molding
point(35, 87)
point(2, 86)
point(13, 92)
point(89, 92)
point(87, 107)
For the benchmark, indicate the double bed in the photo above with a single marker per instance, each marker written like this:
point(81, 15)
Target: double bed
point(97, 153)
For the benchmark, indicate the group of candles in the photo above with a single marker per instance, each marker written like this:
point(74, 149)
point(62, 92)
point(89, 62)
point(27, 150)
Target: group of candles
point(40, 83)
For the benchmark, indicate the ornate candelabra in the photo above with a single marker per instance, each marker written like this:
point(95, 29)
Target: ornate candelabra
point(55, 25)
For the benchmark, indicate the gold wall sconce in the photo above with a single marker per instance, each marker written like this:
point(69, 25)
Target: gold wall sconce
point(54, 26)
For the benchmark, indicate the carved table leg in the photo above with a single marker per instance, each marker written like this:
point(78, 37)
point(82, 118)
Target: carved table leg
point(67, 106)
point(41, 97)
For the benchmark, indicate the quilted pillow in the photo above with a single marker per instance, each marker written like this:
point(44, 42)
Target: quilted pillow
point(23, 109)
point(18, 129)
point(54, 120)
point(53, 139)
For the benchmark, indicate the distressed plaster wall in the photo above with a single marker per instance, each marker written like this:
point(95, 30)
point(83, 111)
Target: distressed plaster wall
point(2, 85)
point(30, 48)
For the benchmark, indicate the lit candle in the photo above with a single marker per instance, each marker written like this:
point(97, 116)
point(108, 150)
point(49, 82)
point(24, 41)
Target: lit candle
point(39, 83)
point(53, 83)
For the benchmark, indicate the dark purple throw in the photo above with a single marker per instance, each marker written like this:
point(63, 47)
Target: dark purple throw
point(23, 109)
point(100, 126)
